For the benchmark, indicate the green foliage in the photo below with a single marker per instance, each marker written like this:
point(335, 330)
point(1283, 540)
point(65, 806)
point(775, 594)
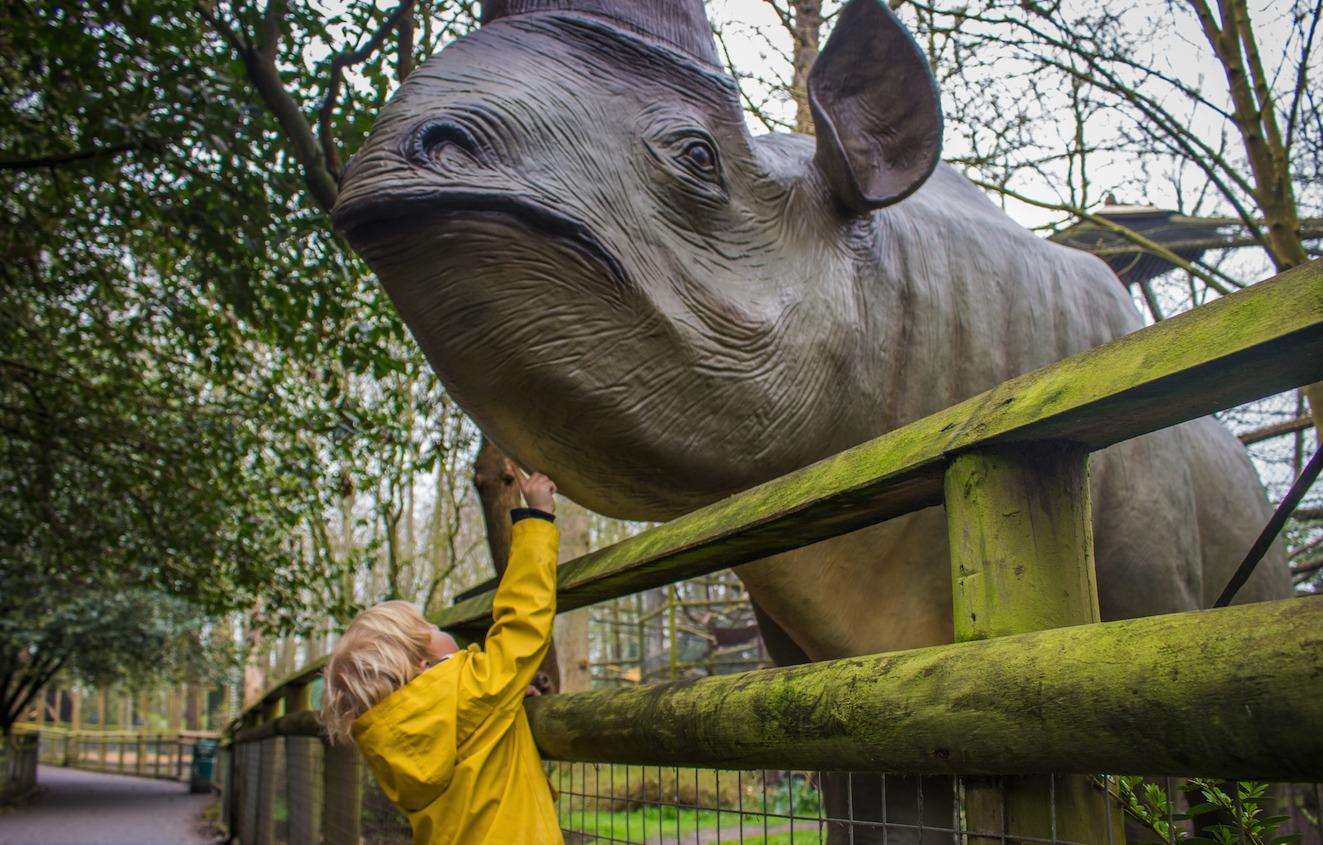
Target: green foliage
point(1224, 818)
point(193, 369)
point(796, 795)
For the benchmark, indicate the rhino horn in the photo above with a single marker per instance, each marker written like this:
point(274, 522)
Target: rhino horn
point(680, 24)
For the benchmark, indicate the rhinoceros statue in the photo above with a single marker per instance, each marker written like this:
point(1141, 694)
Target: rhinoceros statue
point(627, 289)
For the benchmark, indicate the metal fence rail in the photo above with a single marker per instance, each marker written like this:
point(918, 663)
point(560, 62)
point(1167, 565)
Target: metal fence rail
point(1232, 693)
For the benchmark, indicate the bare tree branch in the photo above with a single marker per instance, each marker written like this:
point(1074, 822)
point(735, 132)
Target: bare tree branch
point(76, 156)
point(345, 59)
point(1216, 280)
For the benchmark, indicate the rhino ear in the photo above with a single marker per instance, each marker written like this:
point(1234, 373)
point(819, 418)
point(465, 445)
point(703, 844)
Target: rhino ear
point(876, 109)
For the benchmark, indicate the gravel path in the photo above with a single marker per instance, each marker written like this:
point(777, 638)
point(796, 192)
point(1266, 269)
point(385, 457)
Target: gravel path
point(88, 808)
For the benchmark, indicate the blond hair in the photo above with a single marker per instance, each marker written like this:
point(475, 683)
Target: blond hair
point(380, 651)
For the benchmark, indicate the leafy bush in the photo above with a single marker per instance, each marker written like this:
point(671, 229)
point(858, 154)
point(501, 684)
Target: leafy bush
point(1223, 817)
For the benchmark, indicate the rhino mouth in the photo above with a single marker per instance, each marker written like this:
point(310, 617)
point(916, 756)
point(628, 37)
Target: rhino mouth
point(371, 220)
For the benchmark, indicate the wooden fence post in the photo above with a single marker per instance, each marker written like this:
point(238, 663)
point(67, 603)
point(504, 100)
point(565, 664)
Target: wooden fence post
point(1021, 535)
point(75, 725)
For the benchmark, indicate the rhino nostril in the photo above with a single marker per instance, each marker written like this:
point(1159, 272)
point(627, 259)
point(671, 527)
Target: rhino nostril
point(444, 143)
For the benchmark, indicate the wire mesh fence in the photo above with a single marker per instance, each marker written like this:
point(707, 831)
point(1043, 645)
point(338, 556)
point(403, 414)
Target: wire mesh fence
point(297, 790)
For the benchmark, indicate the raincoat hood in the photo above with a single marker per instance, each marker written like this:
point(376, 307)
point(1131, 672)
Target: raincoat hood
point(409, 738)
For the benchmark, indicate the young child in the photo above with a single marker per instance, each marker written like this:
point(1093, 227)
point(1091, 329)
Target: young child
point(442, 728)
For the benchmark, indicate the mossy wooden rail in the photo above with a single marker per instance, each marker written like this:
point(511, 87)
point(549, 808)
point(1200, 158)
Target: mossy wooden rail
point(1232, 692)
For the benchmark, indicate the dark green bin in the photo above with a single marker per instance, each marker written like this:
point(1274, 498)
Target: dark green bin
point(204, 764)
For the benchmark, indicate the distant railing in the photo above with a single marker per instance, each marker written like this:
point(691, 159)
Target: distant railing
point(1034, 688)
point(144, 753)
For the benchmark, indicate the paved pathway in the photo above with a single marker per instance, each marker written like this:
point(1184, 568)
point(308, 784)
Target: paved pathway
point(88, 808)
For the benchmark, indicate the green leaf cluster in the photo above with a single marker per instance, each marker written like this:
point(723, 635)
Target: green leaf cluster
point(1226, 813)
point(192, 367)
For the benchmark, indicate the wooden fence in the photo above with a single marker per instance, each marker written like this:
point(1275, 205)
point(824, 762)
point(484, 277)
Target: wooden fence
point(1034, 684)
point(144, 753)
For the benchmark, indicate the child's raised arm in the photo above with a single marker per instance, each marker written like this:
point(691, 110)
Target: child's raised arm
point(523, 611)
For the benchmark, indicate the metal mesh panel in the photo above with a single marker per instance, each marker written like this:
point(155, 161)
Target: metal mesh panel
point(383, 823)
point(651, 804)
point(303, 791)
point(248, 789)
point(342, 812)
point(223, 778)
point(271, 802)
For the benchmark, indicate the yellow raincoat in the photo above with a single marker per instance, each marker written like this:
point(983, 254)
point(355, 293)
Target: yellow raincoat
point(452, 748)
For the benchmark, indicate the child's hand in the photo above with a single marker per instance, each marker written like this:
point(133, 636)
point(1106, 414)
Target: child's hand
point(539, 491)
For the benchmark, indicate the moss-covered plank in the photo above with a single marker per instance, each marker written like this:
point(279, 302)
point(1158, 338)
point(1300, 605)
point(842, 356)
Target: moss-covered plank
point(301, 677)
point(1235, 692)
point(302, 723)
point(1021, 537)
point(1254, 343)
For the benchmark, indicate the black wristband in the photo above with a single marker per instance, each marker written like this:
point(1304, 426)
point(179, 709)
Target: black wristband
point(517, 514)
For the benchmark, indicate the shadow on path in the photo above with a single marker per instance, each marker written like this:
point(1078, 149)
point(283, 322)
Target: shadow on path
point(89, 808)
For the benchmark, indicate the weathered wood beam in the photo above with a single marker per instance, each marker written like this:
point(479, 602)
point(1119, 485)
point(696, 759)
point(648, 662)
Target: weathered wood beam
point(1021, 534)
point(302, 723)
point(1254, 343)
point(1277, 430)
point(304, 676)
point(1235, 693)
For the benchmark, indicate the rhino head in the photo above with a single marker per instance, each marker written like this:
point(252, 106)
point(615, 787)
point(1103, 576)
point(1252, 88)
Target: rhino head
point(620, 283)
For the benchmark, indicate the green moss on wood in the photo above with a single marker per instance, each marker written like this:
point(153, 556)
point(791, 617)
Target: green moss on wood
point(1235, 692)
point(1021, 536)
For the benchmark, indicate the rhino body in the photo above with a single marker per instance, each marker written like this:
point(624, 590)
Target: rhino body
point(627, 290)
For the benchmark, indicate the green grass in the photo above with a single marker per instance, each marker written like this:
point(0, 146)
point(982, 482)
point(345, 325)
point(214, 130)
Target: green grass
point(653, 823)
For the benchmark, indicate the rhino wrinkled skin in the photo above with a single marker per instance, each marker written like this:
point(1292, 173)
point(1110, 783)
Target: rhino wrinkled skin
point(629, 291)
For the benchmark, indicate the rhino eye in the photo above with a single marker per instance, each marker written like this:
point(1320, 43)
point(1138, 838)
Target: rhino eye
point(699, 155)
point(444, 143)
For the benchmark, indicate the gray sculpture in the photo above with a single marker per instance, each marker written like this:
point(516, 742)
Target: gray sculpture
point(626, 289)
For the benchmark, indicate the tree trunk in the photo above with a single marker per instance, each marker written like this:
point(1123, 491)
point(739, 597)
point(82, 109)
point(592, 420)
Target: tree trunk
point(1314, 393)
point(572, 628)
point(192, 706)
point(806, 16)
point(494, 476)
point(289, 655)
point(255, 665)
